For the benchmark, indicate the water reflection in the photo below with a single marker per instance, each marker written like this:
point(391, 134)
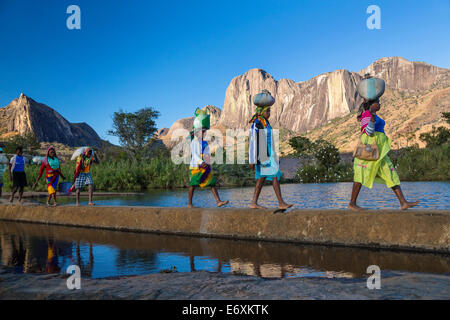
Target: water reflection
point(32, 248)
point(433, 195)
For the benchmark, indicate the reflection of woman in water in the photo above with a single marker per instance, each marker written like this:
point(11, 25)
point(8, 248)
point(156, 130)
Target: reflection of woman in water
point(52, 258)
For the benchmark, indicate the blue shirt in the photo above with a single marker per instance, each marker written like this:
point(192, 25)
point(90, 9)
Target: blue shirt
point(379, 124)
point(20, 164)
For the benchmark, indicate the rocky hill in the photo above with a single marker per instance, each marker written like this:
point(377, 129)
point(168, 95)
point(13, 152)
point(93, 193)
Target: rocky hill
point(25, 115)
point(324, 106)
point(302, 106)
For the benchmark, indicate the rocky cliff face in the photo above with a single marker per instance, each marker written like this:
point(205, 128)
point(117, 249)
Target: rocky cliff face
point(302, 106)
point(25, 115)
point(402, 74)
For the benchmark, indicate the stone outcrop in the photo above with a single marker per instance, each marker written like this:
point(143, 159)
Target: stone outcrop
point(402, 74)
point(24, 115)
point(302, 106)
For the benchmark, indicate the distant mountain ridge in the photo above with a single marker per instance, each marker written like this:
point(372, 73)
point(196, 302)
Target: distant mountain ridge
point(24, 115)
point(301, 107)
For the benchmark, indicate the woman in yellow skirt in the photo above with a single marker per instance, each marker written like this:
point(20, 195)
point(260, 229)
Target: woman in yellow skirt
point(382, 170)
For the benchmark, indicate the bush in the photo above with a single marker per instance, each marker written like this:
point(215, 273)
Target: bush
point(428, 164)
point(301, 145)
point(438, 136)
point(326, 153)
point(319, 174)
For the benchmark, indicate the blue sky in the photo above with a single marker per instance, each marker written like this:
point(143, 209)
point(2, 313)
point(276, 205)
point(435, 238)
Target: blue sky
point(177, 55)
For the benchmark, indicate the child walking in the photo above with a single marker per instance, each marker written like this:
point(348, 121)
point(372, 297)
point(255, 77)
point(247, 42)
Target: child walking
point(17, 174)
point(200, 167)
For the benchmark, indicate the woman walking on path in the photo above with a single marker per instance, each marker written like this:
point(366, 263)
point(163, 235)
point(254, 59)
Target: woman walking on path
point(200, 168)
point(82, 174)
point(262, 156)
point(17, 174)
point(52, 169)
point(382, 171)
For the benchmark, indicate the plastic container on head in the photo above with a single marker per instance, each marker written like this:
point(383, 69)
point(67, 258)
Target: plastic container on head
point(371, 88)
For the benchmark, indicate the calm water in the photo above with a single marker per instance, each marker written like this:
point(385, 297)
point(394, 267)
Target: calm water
point(433, 195)
point(33, 248)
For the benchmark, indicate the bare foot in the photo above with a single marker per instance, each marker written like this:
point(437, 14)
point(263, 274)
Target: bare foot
point(284, 206)
point(256, 206)
point(222, 203)
point(55, 204)
point(355, 207)
point(407, 204)
point(91, 204)
point(48, 204)
point(191, 206)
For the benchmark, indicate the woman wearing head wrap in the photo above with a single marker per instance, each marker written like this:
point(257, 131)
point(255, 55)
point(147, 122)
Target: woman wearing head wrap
point(368, 172)
point(200, 168)
point(82, 174)
point(262, 156)
point(52, 169)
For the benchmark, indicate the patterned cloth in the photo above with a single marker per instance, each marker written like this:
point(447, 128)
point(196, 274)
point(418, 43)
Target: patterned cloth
point(200, 153)
point(368, 126)
point(202, 177)
point(52, 184)
point(83, 179)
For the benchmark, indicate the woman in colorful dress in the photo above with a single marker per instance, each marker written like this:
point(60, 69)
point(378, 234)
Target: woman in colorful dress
point(201, 174)
point(367, 172)
point(52, 169)
point(262, 156)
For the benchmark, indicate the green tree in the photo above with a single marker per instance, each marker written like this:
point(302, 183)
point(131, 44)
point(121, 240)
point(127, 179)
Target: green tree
point(301, 145)
point(446, 116)
point(28, 141)
point(438, 136)
point(135, 130)
point(326, 153)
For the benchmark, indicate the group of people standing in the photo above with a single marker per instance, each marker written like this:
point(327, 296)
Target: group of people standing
point(52, 167)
